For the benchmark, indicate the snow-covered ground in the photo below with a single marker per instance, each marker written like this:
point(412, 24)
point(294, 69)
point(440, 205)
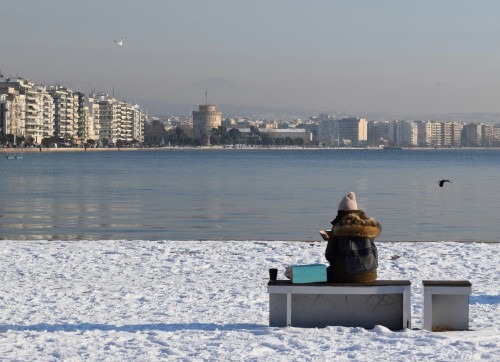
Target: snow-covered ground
point(207, 300)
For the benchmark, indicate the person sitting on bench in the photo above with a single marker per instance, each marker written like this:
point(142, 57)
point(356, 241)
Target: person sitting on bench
point(351, 249)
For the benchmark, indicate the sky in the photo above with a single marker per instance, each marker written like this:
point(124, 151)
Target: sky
point(393, 57)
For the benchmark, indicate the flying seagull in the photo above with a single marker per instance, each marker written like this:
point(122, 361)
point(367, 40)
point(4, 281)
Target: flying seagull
point(120, 42)
point(441, 182)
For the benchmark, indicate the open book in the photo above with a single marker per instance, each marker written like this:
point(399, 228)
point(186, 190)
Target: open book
point(325, 234)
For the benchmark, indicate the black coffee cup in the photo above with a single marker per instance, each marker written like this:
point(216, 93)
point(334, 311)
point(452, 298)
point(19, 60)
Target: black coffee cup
point(273, 274)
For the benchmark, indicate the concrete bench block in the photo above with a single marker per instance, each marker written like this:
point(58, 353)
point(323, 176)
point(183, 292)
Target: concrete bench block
point(446, 305)
point(382, 302)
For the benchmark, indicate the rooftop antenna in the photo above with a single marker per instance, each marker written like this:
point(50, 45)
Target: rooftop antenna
point(113, 94)
point(206, 97)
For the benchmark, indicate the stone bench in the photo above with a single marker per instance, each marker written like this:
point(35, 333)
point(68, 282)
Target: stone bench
point(446, 304)
point(382, 302)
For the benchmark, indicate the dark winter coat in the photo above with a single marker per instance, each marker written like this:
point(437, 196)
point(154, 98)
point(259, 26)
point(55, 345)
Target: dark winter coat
point(350, 226)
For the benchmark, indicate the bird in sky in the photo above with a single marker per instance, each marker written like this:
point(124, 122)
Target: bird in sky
point(120, 42)
point(441, 182)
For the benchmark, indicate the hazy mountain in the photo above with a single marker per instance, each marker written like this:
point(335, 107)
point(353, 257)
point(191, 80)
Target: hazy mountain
point(235, 100)
point(238, 110)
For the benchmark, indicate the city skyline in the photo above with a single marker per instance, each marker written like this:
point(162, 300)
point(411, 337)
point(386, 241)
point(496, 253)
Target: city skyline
point(356, 57)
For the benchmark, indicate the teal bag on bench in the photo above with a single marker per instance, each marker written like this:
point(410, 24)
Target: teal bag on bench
point(310, 273)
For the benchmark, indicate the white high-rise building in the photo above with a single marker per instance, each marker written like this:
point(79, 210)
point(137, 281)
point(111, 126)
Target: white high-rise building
point(488, 135)
point(36, 107)
point(457, 134)
point(48, 116)
point(65, 124)
point(138, 120)
point(447, 134)
point(429, 134)
point(404, 133)
point(109, 119)
point(12, 113)
point(117, 121)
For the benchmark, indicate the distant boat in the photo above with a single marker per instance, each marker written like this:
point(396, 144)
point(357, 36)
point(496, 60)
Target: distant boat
point(14, 156)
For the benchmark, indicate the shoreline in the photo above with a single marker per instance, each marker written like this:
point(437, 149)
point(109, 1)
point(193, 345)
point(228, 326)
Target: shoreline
point(257, 241)
point(191, 148)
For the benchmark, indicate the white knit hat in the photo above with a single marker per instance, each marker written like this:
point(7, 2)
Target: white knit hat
point(348, 202)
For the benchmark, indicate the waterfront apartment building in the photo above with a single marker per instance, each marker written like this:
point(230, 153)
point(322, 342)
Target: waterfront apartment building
point(328, 133)
point(204, 120)
point(487, 135)
point(116, 120)
point(457, 134)
point(447, 134)
point(65, 124)
point(109, 119)
point(87, 119)
point(496, 135)
point(432, 134)
point(451, 134)
point(37, 112)
point(29, 122)
point(394, 133)
point(82, 117)
point(429, 134)
point(345, 132)
point(353, 131)
point(138, 121)
point(408, 134)
point(12, 113)
point(94, 129)
point(48, 116)
point(472, 135)
point(125, 125)
point(33, 127)
point(379, 133)
point(436, 134)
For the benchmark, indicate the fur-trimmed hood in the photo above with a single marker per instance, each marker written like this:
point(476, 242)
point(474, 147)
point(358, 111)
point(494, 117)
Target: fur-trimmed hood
point(355, 223)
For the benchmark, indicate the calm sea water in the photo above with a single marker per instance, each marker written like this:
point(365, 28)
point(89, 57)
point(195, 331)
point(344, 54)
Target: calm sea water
point(248, 195)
